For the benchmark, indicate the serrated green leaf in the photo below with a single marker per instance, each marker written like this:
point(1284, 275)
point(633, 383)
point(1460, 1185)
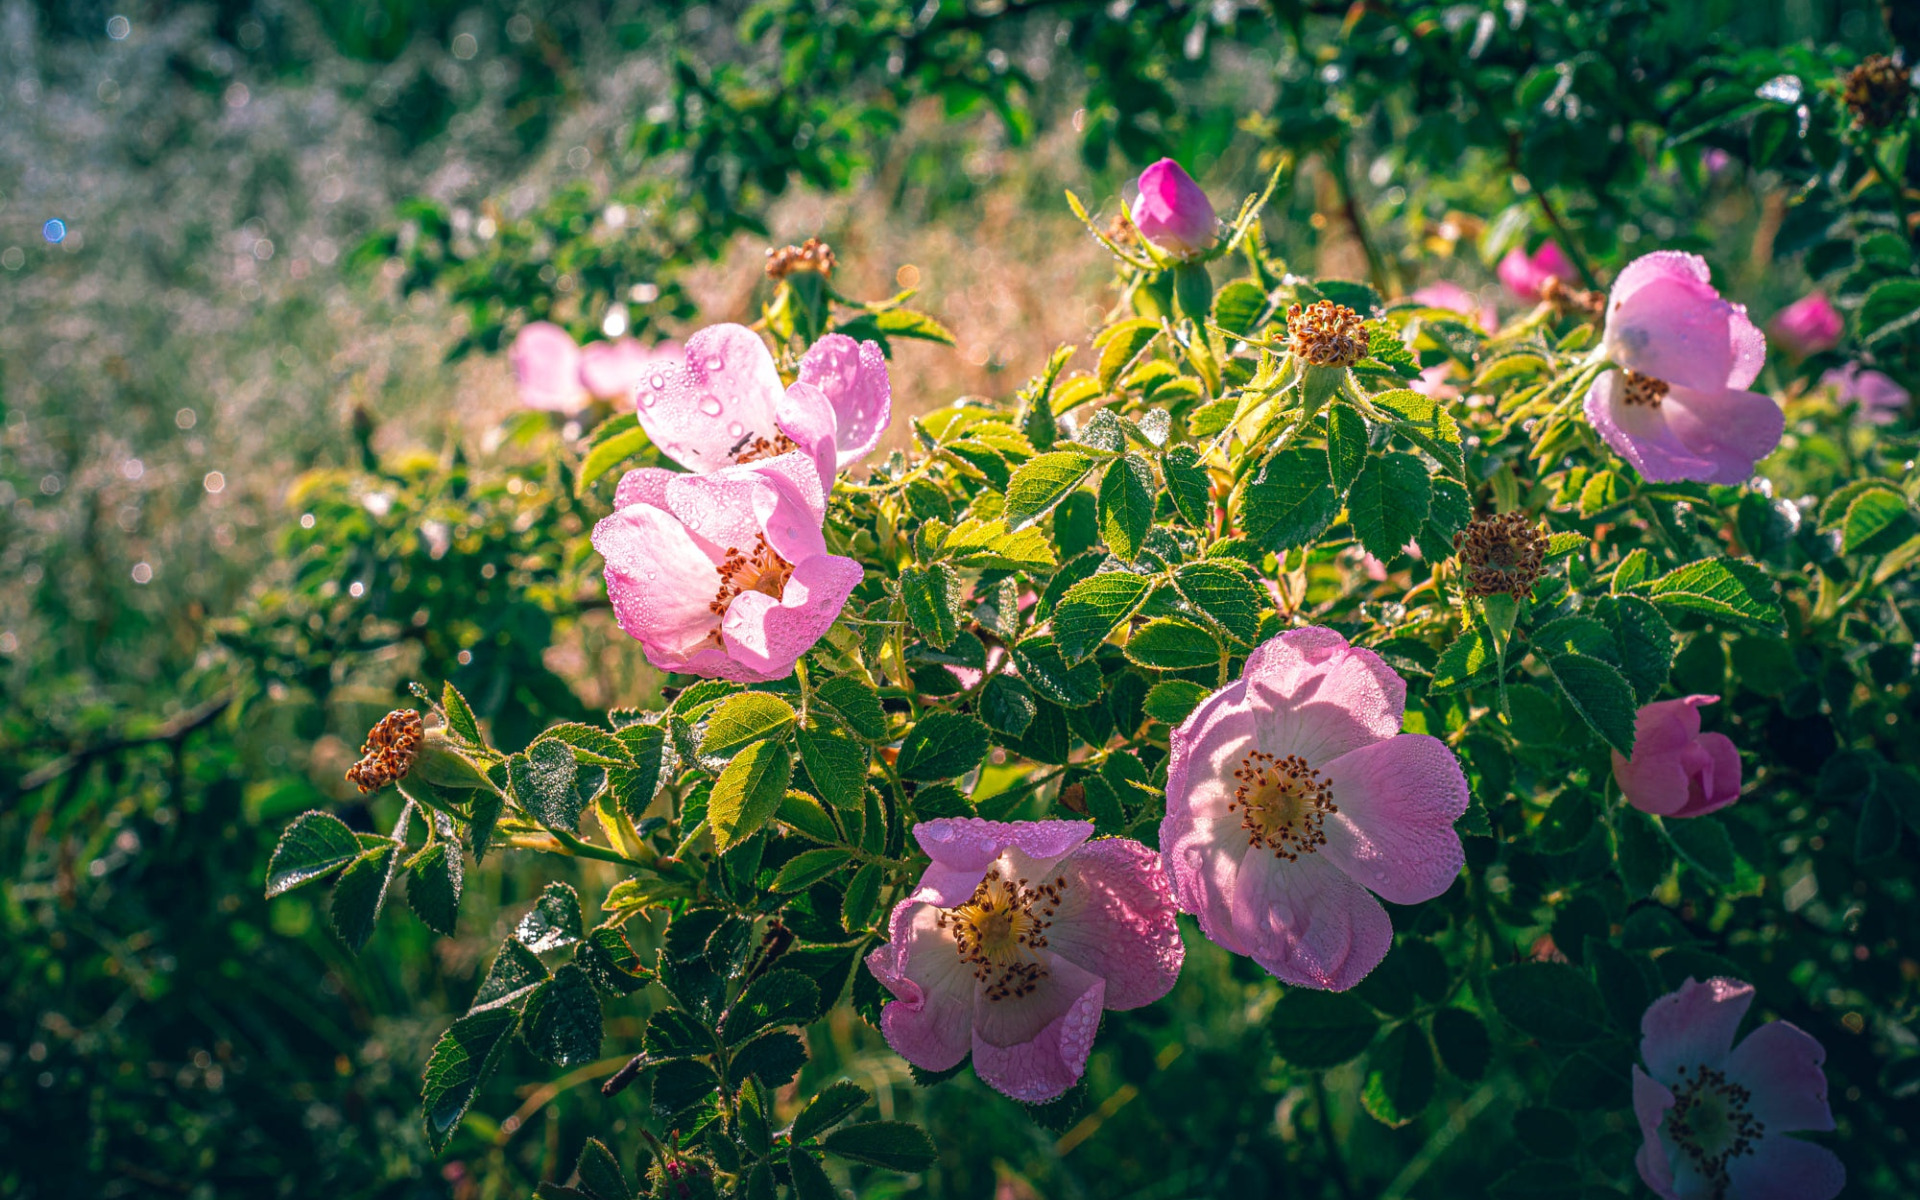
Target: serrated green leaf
point(553, 921)
point(942, 745)
point(1170, 701)
point(1644, 641)
point(1047, 672)
point(748, 793)
point(654, 763)
point(1731, 588)
point(460, 716)
point(1126, 505)
point(361, 892)
point(461, 1061)
point(1042, 482)
point(1317, 1030)
point(434, 876)
point(1891, 307)
point(600, 1173)
point(804, 814)
point(1290, 501)
point(1400, 1076)
point(1870, 516)
point(809, 867)
point(1188, 484)
point(562, 1024)
point(931, 596)
point(1554, 1002)
point(316, 845)
point(1223, 593)
point(614, 441)
point(835, 763)
point(832, 1105)
point(515, 972)
point(1388, 503)
point(1007, 706)
point(1600, 694)
point(1119, 345)
point(858, 703)
point(1092, 609)
point(1468, 661)
point(862, 897)
point(892, 1145)
point(542, 781)
point(744, 719)
point(1346, 444)
point(1426, 423)
point(1172, 644)
point(780, 997)
point(989, 544)
point(610, 961)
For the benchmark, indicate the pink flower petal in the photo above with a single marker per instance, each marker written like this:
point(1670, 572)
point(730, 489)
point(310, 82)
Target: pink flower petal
point(644, 485)
point(1397, 801)
point(1207, 748)
point(1202, 857)
point(1676, 770)
point(615, 370)
point(1692, 1027)
point(1172, 212)
point(1116, 919)
point(546, 364)
point(766, 637)
point(726, 390)
point(1809, 325)
point(805, 416)
point(659, 580)
point(733, 507)
point(1786, 1168)
point(962, 848)
point(1712, 764)
point(1640, 434)
point(1315, 696)
point(853, 378)
point(1306, 922)
point(1749, 348)
point(930, 1022)
point(1651, 1101)
point(1035, 1048)
point(1652, 783)
point(1731, 429)
point(1781, 1065)
point(1665, 320)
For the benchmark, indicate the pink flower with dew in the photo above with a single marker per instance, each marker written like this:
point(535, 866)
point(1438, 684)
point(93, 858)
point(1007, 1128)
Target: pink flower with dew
point(1451, 296)
point(1677, 406)
point(1713, 1113)
point(1293, 798)
point(1677, 771)
point(1881, 400)
point(724, 405)
point(1018, 935)
point(1525, 274)
point(1808, 325)
point(546, 365)
point(1172, 212)
point(615, 370)
point(724, 575)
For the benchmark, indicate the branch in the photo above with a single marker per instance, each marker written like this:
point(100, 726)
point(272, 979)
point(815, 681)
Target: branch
point(174, 731)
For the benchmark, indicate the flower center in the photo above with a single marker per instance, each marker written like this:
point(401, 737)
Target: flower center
point(1001, 929)
point(1283, 804)
point(1644, 389)
point(1501, 554)
point(754, 449)
point(1712, 1123)
point(759, 571)
point(389, 751)
point(1325, 334)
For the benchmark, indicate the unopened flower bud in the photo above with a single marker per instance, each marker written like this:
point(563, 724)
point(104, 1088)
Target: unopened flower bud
point(389, 751)
point(1501, 555)
point(1325, 334)
point(1877, 91)
point(1172, 212)
point(439, 762)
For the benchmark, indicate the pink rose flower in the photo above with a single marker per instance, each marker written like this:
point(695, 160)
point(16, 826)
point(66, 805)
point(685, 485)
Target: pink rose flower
point(1019, 934)
point(1291, 793)
point(1712, 1113)
point(1677, 407)
point(1526, 274)
point(1443, 293)
point(1677, 771)
point(1172, 212)
point(723, 404)
point(1808, 325)
point(724, 575)
point(1879, 397)
point(615, 370)
point(546, 365)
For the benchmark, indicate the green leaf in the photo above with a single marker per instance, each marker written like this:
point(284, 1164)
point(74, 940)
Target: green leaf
point(1346, 444)
point(1644, 641)
point(461, 1061)
point(654, 764)
point(1225, 595)
point(563, 1022)
point(600, 1174)
point(362, 890)
point(542, 780)
point(809, 867)
point(1388, 502)
point(1092, 609)
point(835, 763)
point(779, 997)
point(1705, 846)
point(313, 847)
point(748, 793)
point(1171, 644)
point(614, 440)
point(744, 719)
point(610, 961)
point(1007, 706)
point(1126, 505)
point(862, 896)
point(1042, 482)
point(1290, 501)
point(1872, 514)
point(515, 972)
point(460, 717)
point(856, 701)
point(989, 544)
point(834, 1104)
point(1171, 700)
point(1317, 1030)
point(1469, 661)
point(1400, 1076)
point(772, 1058)
point(1188, 485)
point(1238, 305)
point(1554, 1002)
point(1643, 855)
point(1120, 345)
point(803, 813)
point(1631, 573)
point(931, 596)
point(434, 876)
point(1047, 672)
point(553, 921)
point(810, 1180)
point(942, 745)
point(1600, 694)
point(1462, 1042)
point(1892, 306)
point(893, 1145)
point(1731, 588)
point(1575, 635)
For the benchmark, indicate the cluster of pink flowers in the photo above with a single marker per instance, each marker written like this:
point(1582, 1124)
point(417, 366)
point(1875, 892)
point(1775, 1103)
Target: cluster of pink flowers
point(724, 572)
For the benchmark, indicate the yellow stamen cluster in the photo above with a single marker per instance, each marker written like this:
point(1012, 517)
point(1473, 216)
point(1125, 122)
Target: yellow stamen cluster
point(1501, 554)
point(759, 570)
point(810, 255)
point(1001, 930)
point(1712, 1124)
point(754, 449)
point(389, 751)
point(1325, 334)
point(1877, 91)
point(1283, 804)
point(1644, 389)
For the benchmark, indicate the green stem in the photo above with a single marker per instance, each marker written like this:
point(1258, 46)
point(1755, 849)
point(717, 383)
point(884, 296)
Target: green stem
point(583, 849)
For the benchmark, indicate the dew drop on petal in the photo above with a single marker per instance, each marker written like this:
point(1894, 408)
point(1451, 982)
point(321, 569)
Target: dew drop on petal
point(715, 362)
point(647, 399)
point(710, 406)
point(736, 429)
point(658, 381)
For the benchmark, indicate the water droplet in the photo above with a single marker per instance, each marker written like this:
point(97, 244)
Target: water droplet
point(715, 362)
point(646, 399)
point(736, 429)
point(710, 406)
point(658, 381)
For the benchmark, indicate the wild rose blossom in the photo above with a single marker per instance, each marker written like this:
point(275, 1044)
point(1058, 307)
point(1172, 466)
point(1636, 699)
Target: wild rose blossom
point(1018, 935)
point(1712, 1113)
point(556, 375)
point(1444, 293)
point(1526, 274)
point(614, 370)
point(724, 405)
point(724, 575)
point(1677, 406)
point(1879, 397)
point(1677, 771)
point(1291, 793)
point(1172, 212)
point(1808, 325)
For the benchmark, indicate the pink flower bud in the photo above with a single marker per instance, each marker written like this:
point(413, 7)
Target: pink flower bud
point(1526, 274)
point(1879, 397)
point(1677, 771)
point(1172, 212)
point(1808, 325)
point(546, 364)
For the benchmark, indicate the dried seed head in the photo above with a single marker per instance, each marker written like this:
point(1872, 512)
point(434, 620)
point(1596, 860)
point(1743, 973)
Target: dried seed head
point(810, 255)
point(388, 752)
point(1565, 298)
point(1877, 91)
point(1325, 334)
point(1501, 554)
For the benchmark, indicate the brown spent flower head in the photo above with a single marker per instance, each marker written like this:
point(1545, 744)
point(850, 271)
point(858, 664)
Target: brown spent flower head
point(388, 752)
point(1877, 91)
point(810, 255)
point(1501, 554)
point(1120, 230)
point(1565, 298)
point(1325, 334)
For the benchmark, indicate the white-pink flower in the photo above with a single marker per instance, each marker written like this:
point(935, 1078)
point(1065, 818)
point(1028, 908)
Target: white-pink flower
point(556, 375)
point(1677, 407)
point(1712, 1113)
point(1019, 934)
point(1879, 398)
point(1293, 798)
point(724, 403)
point(615, 370)
point(725, 575)
point(1526, 274)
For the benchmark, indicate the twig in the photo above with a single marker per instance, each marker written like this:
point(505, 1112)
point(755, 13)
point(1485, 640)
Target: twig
point(175, 731)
